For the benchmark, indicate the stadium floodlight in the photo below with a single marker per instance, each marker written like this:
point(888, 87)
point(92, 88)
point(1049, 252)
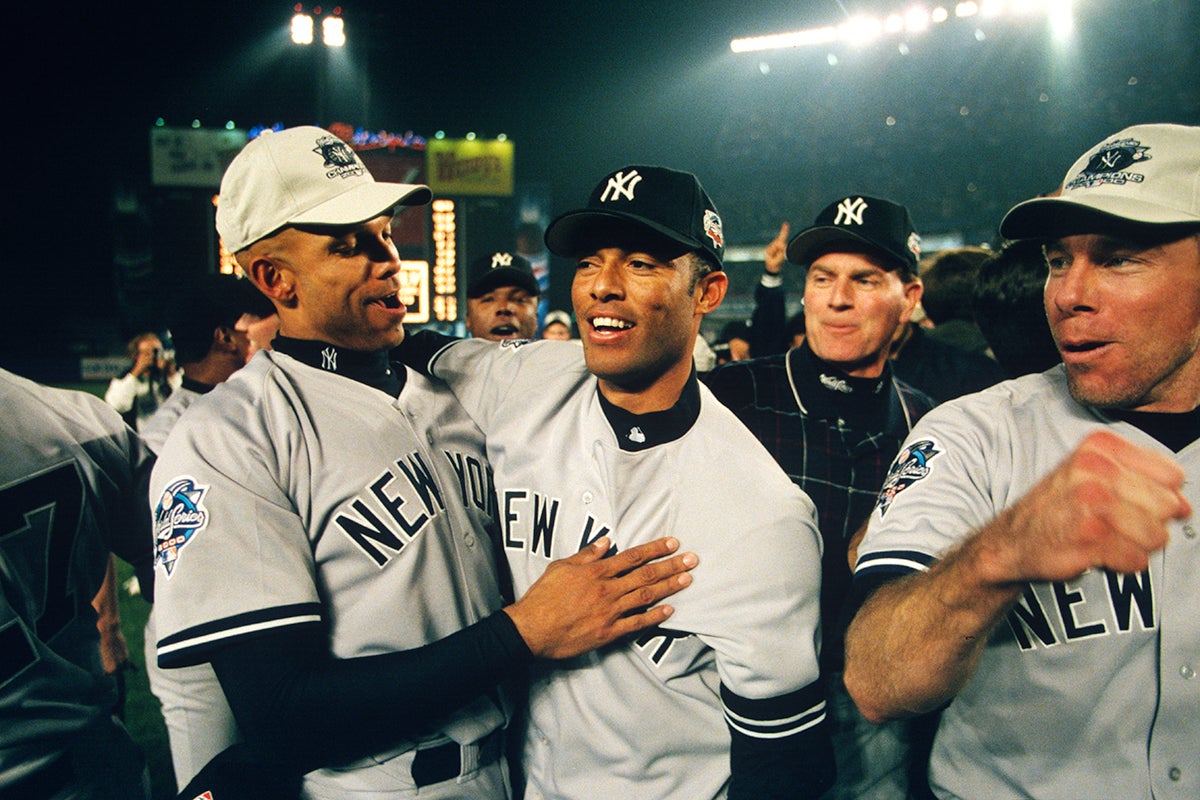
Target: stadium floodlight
point(1062, 21)
point(782, 41)
point(302, 29)
point(333, 32)
point(916, 19)
point(860, 30)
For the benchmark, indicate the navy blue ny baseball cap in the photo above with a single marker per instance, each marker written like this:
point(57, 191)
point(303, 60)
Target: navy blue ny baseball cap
point(501, 268)
point(859, 219)
point(668, 207)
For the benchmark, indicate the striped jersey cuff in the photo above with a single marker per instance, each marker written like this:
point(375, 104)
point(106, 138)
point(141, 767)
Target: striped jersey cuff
point(893, 562)
point(775, 717)
point(194, 645)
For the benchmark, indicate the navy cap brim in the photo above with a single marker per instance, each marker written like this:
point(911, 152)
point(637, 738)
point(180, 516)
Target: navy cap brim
point(503, 276)
point(803, 245)
point(576, 232)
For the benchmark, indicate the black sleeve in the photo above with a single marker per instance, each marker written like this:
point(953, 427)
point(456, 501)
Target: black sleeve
point(419, 347)
point(298, 707)
point(780, 747)
point(768, 323)
point(796, 767)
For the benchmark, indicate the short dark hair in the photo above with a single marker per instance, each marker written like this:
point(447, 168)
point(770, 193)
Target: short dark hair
point(949, 279)
point(201, 304)
point(1009, 308)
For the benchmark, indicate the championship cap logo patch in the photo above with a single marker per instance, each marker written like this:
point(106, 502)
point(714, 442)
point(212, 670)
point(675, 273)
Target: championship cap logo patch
point(910, 466)
point(179, 516)
point(1108, 164)
point(341, 160)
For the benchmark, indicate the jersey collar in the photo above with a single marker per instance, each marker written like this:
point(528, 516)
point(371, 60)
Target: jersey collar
point(637, 432)
point(825, 392)
point(375, 369)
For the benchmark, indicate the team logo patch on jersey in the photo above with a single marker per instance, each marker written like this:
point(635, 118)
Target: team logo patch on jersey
point(179, 516)
point(910, 466)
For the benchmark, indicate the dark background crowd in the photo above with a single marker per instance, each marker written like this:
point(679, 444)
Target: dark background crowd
point(973, 116)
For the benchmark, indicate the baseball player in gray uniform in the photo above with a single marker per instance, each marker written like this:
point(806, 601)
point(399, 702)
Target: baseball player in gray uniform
point(72, 485)
point(1042, 528)
point(322, 518)
point(621, 439)
point(215, 321)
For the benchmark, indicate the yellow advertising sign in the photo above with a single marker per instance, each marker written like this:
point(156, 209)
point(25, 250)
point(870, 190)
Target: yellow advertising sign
point(470, 167)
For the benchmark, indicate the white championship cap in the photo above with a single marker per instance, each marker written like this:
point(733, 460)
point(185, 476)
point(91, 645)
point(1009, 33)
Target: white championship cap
point(302, 176)
point(1144, 175)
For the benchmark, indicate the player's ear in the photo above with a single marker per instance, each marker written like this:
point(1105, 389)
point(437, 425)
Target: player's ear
point(710, 291)
point(222, 339)
point(912, 296)
point(272, 277)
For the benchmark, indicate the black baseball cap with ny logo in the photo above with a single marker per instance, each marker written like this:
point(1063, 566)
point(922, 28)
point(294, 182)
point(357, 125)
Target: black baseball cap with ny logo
point(661, 209)
point(859, 219)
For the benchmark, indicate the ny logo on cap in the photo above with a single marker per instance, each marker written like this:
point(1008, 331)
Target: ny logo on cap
point(850, 211)
point(1108, 165)
point(621, 185)
point(339, 156)
point(501, 260)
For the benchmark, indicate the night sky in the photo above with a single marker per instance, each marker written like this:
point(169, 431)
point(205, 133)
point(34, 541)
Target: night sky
point(582, 88)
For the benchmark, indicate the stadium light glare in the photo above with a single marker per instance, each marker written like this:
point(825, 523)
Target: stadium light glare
point(783, 41)
point(860, 30)
point(1062, 21)
point(916, 19)
point(333, 32)
point(302, 29)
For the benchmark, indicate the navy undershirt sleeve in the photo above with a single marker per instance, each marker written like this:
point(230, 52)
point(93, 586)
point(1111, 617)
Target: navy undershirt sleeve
point(297, 706)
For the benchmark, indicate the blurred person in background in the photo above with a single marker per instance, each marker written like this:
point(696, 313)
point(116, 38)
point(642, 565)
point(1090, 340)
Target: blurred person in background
point(138, 392)
point(1008, 308)
point(558, 326)
point(502, 298)
point(949, 277)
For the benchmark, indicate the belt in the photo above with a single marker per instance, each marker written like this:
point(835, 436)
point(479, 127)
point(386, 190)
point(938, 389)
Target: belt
point(450, 760)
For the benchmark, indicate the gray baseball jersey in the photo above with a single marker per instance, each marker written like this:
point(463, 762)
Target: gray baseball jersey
point(1088, 690)
point(155, 430)
point(647, 718)
point(72, 476)
point(199, 722)
point(289, 494)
